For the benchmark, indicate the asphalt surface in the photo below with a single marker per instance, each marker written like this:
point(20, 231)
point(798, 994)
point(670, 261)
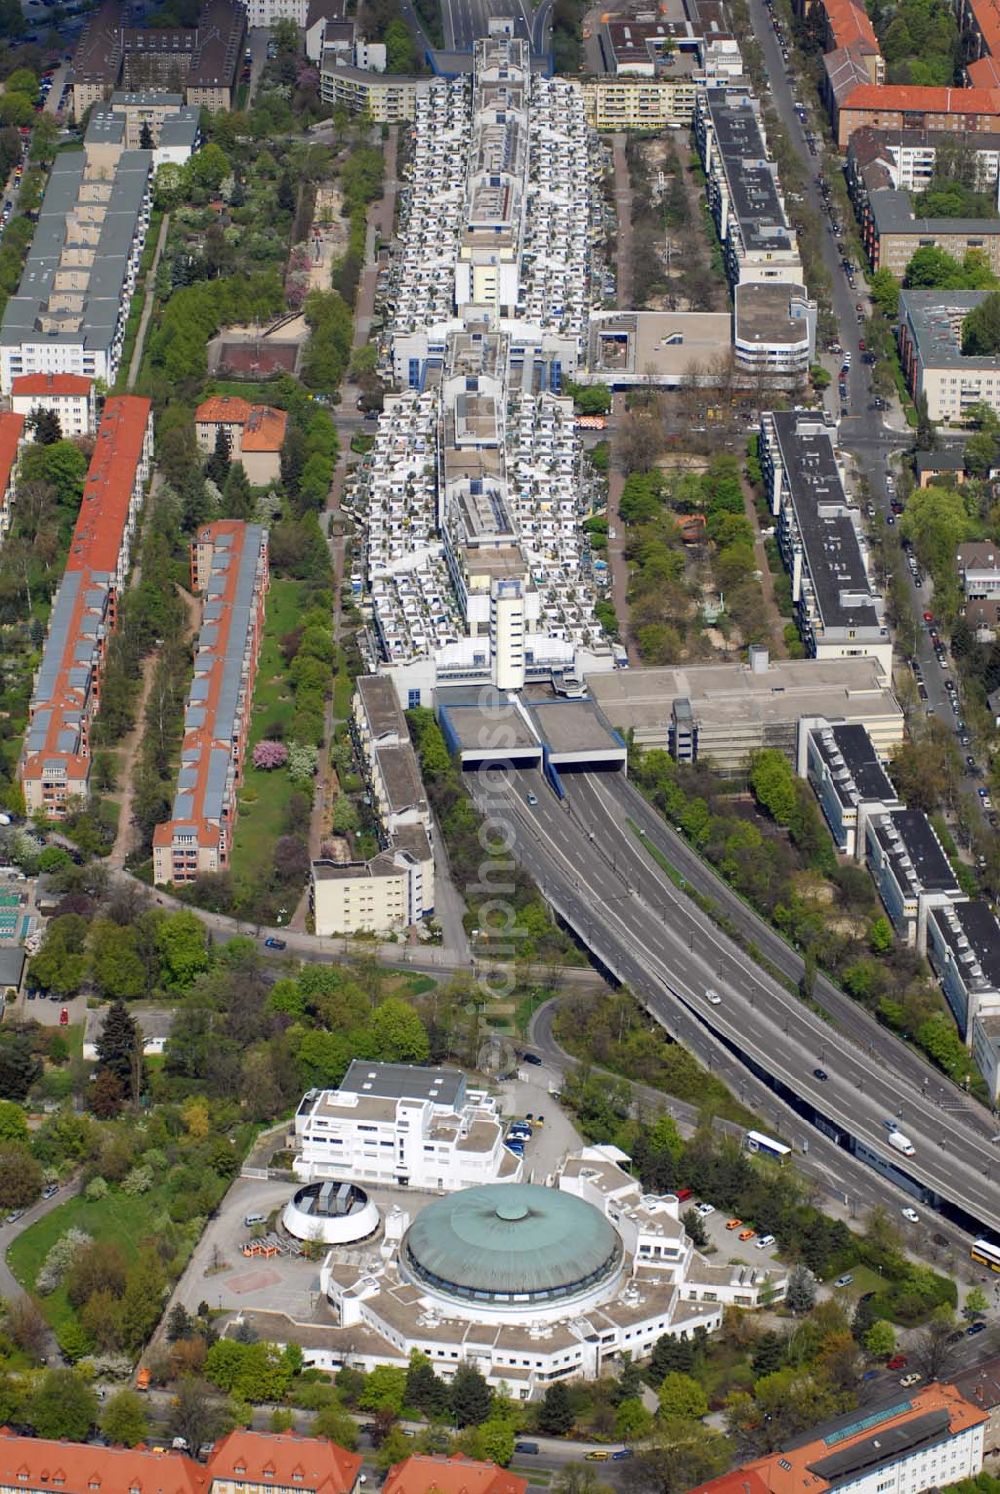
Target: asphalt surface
point(466, 20)
point(594, 871)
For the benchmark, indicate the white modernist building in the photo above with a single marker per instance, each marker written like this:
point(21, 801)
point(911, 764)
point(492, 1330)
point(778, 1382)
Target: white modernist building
point(534, 1284)
point(472, 494)
point(405, 1127)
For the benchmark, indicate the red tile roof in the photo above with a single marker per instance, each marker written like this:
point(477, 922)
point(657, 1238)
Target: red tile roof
point(107, 491)
point(893, 97)
point(850, 25)
point(29, 384)
point(265, 429)
point(32, 1463)
point(11, 432)
point(792, 1470)
point(420, 1474)
point(307, 1463)
point(985, 73)
point(223, 409)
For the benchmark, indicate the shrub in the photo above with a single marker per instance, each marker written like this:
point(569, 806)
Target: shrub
point(60, 1258)
point(139, 1180)
point(95, 1190)
point(268, 755)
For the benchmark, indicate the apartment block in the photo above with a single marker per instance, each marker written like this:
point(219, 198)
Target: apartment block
point(395, 889)
point(899, 106)
point(907, 159)
point(387, 97)
point(848, 777)
point(391, 892)
point(240, 1463)
point(929, 333)
point(173, 127)
point(69, 397)
point(256, 434)
point(744, 193)
point(399, 1125)
point(839, 612)
point(627, 103)
point(69, 312)
point(12, 433)
point(267, 12)
point(203, 60)
point(897, 1444)
point(911, 871)
point(55, 761)
point(894, 233)
point(436, 1474)
point(229, 567)
point(963, 944)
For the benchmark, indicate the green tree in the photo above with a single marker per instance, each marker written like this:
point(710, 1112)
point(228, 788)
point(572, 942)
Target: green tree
point(681, 1396)
point(555, 1414)
point(20, 1176)
point(399, 53)
point(681, 1455)
point(180, 940)
point(976, 1303)
point(773, 784)
point(884, 289)
point(880, 1340)
point(397, 1033)
point(20, 1066)
point(142, 1302)
point(63, 1406)
point(981, 328)
point(119, 1047)
point(880, 935)
point(800, 1296)
point(470, 1397)
point(384, 1390)
point(115, 965)
point(124, 1420)
point(13, 1122)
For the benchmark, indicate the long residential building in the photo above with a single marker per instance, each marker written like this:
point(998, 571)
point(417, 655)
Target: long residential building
point(394, 889)
point(69, 397)
point(70, 309)
point(229, 566)
point(903, 1443)
point(54, 768)
point(240, 1463)
point(838, 609)
point(744, 192)
point(12, 433)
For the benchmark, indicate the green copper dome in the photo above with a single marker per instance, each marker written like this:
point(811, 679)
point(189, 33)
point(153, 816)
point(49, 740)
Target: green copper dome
point(510, 1242)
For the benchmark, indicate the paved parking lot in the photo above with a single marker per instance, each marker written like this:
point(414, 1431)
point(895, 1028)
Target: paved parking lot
point(728, 1246)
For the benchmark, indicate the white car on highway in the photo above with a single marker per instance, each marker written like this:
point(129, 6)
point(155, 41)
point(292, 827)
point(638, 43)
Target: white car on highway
point(911, 1216)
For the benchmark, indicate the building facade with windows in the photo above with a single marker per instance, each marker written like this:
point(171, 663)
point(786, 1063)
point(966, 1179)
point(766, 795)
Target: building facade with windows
point(229, 567)
point(12, 433)
point(403, 1126)
point(54, 768)
point(69, 397)
point(929, 333)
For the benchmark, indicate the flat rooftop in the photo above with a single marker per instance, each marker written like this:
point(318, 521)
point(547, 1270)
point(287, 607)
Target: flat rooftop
point(827, 529)
point(972, 929)
point(749, 174)
point(935, 318)
point(722, 694)
point(919, 845)
point(766, 313)
point(403, 1081)
point(664, 343)
point(485, 727)
point(575, 731)
point(855, 747)
point(381, 705)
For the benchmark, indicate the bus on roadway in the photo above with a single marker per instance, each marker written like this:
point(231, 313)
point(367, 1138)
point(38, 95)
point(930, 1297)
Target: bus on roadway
point(986, 1254)
point(766, 1146)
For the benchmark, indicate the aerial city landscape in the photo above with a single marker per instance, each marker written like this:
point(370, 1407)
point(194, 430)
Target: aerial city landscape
point(499, 733)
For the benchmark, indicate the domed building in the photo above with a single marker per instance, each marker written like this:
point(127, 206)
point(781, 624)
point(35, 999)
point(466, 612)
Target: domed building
point(532, 1284)
point(512, 1250)
point(331, 1213)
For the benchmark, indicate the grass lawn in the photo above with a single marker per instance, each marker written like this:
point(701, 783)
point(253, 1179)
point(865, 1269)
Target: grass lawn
point(256, 393)
point(118, 1217)
point(264, 796)
point(865, 1280)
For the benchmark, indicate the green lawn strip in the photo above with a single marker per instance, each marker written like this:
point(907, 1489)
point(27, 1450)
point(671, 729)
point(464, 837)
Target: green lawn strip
point(257, 393)
point(657, 855)
point(126, 1220)
point(261, 818)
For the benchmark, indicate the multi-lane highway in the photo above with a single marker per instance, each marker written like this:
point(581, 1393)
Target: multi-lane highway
point(593, 868)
